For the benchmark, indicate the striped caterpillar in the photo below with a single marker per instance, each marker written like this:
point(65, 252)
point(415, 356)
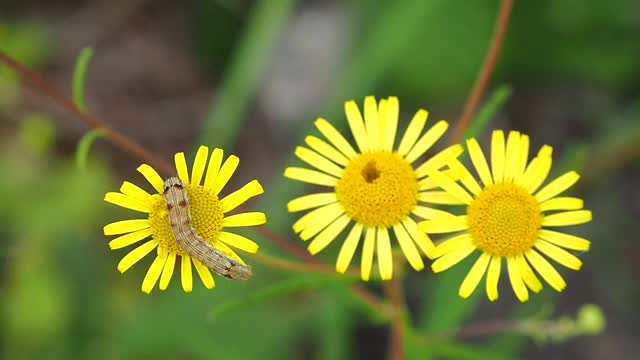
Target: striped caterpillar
point(177, 203)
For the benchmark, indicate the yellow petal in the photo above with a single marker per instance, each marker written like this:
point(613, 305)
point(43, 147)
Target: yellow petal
point(316, 220)
point(205, 274)
point(130, 238)
point(241, 195)
point(390, 124)
point(452, 258)
point(382, 119)
point(538, 170)
point(354, 118)
point(438, 197)
point(335, 137)
point(430, 213)
point(238, 241)
point(152, 177)
point(497, 155)
point(439, 160)
point(318, 161)
point(530, 279)
point(474, 276)
point(413, 132)
point(512, 156)
point(371, 123)
point(385, 257)
point(153, 274)
point(244, 219)
point(215, 161)
point(452, 244)
point(311, 201)
point(450, 186)
point(557, 186)
point(479, 161)
point(565, 240)
point(523, 158)
point(136, 254)
point(546, 270)
point(567, 218)
point(408, 247)
point(332, 210)
point(561, 256)
point(465, 177)
point(310, 176)
point(134, 191)
point(421, 239)
point(562, 203)
point(127, 202)
point(493, 276)
point(181, 167)
point(444, 225)
point(167, 271)
point(516, 280)
point(326, 150)
point(185, 274)
point(329, 234)
point(367, 253)
point(427, 140)
point(349, 248)
point(199, 164)
point(126, 226)
point(226, 171)
point(428, 183)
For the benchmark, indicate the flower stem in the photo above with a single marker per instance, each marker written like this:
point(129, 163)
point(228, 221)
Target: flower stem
point(395, 293)
point(484, 75)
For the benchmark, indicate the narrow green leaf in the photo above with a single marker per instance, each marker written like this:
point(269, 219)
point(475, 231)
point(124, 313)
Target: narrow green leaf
point(84, 146)
point(79, 75)
point(247, 65)
point(488, 111)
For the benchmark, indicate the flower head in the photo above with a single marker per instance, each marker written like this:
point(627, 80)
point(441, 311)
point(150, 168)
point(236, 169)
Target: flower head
point(377, 188)
point(508, 218)
point(209, 214)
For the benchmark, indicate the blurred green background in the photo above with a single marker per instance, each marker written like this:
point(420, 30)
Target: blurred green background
point(251, 77)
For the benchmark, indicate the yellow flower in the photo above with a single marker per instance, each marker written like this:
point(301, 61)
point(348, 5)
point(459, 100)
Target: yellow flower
point(377, 188)
point(209, 215)
point(508, 218)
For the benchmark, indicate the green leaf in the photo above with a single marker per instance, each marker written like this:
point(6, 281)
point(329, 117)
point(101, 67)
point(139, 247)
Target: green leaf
point(488, 111)
point(79, 75)
point(84, 146)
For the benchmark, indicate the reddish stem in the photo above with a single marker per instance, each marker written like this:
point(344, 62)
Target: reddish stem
point(91, 120)
point(484, 76)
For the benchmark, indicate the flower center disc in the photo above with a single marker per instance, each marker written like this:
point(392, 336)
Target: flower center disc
point(206, 217)
point(378, 189)
point(504, 220)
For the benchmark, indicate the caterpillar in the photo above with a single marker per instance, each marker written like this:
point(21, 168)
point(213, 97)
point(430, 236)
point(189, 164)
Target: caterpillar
point(177, 204)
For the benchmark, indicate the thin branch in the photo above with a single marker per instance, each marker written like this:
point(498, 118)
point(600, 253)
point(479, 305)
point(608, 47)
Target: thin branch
point(277, 263)
point(286, 245)
point(89, 119)
point(356, 289)
point(475, 330)
point(484, 76)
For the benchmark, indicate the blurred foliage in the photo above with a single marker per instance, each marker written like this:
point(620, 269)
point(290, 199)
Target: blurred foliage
point(63, 297)
point(29, 43)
